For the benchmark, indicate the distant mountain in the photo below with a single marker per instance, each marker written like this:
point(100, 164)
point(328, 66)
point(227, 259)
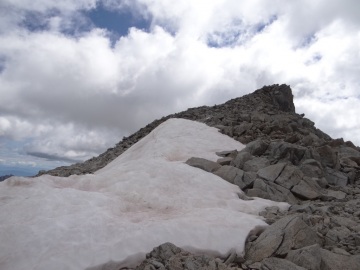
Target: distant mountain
point(4, 177)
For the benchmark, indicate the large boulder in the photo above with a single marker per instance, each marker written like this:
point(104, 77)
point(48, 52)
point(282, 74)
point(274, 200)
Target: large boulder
point(257, 147)
point(309, 257)
point(312, 168)
point(289, 177)
point(240, 159)
point(336, 178)
point(230, 174)
point(304, 191)
point(269, 190)
point(333, 261)
point(345, 151)
point(286, 234)
point(255, 164)
point(270, 173)
point(225, 160)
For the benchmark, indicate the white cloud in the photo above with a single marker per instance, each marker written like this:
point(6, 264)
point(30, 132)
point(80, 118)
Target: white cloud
point(56, 86)
point(26, 163)
point(46, 5)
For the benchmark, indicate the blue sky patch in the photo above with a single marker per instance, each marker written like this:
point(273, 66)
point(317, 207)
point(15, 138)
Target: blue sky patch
point(35, 21)
point(262, 25)
point(117, 22)
point(308, 41)
point(237, 33)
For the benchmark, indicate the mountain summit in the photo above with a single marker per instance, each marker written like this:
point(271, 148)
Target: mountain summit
point(250, 182)
point(268, 112)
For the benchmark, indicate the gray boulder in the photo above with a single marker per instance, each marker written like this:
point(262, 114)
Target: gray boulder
point(259, 117)
point(283, 151)
point(333, 261)
point(336, 178)
point(289, 177)
point(270, 173)
point(279, 264)
point(344, 221)
point(242, 128)
point(249, 179)
point(308, 257)
point(312, 168)
point(305, 191)
point(329, 157)
point(349, 152)
point(224, 161)
point(333, 194)
point(257, 147)
point(347, 162)
point(255, 164)
point(286, 234)
point(272, 191)
point(204, 164)
point(230, 174)
point(240, 159)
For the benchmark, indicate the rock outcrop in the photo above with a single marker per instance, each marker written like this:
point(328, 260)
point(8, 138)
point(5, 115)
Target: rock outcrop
point(286, 159)
point(169, 256)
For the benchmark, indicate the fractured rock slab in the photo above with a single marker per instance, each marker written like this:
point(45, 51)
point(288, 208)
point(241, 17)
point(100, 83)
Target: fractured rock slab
point(288, 233)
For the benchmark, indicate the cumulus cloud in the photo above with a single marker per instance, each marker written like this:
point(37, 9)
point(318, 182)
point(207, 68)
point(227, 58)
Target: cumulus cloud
point(72, 91)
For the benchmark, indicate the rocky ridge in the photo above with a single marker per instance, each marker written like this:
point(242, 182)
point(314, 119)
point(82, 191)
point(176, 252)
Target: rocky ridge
point(268, 112)
point(286, 159)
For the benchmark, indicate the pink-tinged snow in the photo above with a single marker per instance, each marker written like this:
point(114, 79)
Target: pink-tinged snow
point(144, 198)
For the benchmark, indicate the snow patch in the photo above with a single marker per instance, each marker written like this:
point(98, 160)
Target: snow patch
point(145, 197)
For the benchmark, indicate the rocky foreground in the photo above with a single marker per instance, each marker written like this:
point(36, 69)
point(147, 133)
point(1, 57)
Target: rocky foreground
point(286, 159)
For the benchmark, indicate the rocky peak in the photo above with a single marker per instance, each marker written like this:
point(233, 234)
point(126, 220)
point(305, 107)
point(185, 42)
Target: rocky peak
point(283, 98)
point(267, 113)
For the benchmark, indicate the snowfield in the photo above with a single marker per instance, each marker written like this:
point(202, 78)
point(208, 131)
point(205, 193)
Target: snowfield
point(145, 197)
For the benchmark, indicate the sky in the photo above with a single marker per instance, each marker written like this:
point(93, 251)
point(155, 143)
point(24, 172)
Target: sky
point(77, 76)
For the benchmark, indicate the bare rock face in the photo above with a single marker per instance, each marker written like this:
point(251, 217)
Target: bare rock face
point(283, 98)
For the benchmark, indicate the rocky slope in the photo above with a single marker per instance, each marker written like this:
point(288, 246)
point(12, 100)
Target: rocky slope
point(267, 113)
point(286, 159)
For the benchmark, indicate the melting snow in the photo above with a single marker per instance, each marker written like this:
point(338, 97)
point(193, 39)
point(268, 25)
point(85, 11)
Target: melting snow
point(144, 198)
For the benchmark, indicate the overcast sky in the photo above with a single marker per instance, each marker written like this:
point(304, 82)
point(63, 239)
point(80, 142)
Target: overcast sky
point(78, 75)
